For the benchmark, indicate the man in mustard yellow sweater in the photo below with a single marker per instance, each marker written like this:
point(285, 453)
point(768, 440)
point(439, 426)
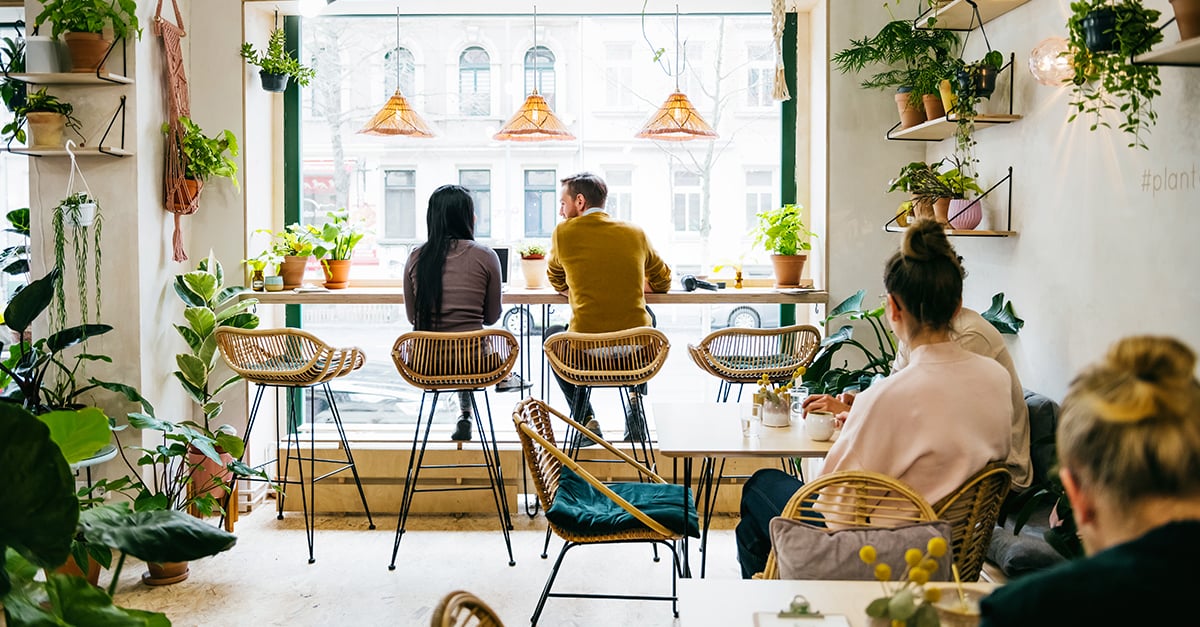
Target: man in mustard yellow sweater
point(604, 267)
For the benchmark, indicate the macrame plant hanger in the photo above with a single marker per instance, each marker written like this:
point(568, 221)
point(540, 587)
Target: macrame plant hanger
point(178, 198)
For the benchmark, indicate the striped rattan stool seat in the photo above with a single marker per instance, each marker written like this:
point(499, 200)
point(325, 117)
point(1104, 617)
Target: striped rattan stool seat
point(619, 358)
point(744, 355)
point(455, 361)
point(285, 356)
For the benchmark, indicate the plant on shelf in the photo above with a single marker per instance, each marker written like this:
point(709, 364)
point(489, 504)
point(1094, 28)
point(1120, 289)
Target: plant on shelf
point(822, 377)
point(334, 244)
point(293, 245)
point(933, 188)
point(47, 117)
point(277, 63)
point(12, 61)
point(783, 234)
point(974, 81)
point(907, 601)
point(82, 22)
point(261, 265)
point(1103, 39)
point(203, 157)
point(78, 213)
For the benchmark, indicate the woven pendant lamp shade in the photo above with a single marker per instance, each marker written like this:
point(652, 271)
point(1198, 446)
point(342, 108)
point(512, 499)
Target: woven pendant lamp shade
point(677, 120)
point(534, 122)
point(397, 118)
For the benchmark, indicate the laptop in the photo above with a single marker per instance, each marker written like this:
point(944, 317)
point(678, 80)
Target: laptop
point(502, 253)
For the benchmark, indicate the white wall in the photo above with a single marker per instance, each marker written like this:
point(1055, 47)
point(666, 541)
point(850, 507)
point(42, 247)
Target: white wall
point(1099, 255)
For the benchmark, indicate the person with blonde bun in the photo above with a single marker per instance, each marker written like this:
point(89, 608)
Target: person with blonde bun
point(1129, 457)
point(932, 425)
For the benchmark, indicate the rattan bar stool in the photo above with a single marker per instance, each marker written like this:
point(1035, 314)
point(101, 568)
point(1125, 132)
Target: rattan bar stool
point(295, 359)
point(468, 361)
point(738, 357)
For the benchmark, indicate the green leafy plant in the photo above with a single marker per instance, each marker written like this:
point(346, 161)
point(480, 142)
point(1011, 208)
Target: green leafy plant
point(90, 16)
point(14, 260)
point(1002, 316)
point(781, 231)
point(929, 182)
point(293, 241)
point(275, 59)
point(39, 102)
point(909, 57)
point(336, 239)
point(87, 253)
point(971, 79)
point(822, 377)
point(12, 61)
point(204, 156)
point(265, 261)
point(532, 251)
point(1108, 81)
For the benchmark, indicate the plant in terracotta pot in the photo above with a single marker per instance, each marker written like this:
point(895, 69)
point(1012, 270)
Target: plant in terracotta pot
point(334, 243)
point(783, 234)
point(47, 118)
point(533, 265)
point(203, 157)
point(293, 246)
point(1103, 39)
point(81, 24)
point(277, 64)
point(933, 186)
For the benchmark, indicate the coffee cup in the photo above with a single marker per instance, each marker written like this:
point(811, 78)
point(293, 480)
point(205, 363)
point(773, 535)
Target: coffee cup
point(819, 425)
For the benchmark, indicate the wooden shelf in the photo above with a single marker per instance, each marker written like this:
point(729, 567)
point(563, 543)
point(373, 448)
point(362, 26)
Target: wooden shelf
point(73, 78)
point(892, 228)
point(957, 14)
point(1186, 52)
point(82, 151)
point(944, 127)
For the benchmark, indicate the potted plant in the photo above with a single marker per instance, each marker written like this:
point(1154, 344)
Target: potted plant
point(1187, 18)
point(334, 242)
point(77, 213)
point(48, 117)
point(12, 61)
point(932, 186)
point(203, 157)
point(261, 265)
point(821, 377)
point(1103, 39)
point(276, 63)
point(533, 265)
point(293, 245)
point(783, 234)
point(913, 61)
point(81, 24)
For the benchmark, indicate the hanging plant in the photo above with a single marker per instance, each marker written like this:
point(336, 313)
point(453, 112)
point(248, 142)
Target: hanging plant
point(1104, 37)
point(77, 213)
point(276, 63)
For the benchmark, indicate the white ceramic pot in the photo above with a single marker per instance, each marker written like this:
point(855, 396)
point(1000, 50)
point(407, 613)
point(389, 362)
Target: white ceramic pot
point(776, 414)
point(535, 272)
point(87, 215)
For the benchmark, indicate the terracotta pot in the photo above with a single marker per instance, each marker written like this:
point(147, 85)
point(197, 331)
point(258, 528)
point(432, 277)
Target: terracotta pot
point(909, 115)
point(292, 271)
point(337, 273)
point(941, 210)
point(933, 106)
point(185, 194)
point(788, 269)
point(922, 208)
point(46, 129)
point(534, 269)
point(207, 472)
point(1187, 17)
point(965, 214)
point(87, 51)
point(273, 82)
point(72, 568)
point(165, 574)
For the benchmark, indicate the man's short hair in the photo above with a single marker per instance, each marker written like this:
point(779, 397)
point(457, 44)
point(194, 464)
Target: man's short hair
point(594, 191)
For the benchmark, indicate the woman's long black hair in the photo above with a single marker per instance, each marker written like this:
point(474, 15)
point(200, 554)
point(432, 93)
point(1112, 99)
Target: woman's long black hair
point(450, 216)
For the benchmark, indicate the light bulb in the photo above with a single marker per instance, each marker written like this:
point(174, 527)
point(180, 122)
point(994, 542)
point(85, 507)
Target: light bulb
point(1050, 62)
point(312, 8)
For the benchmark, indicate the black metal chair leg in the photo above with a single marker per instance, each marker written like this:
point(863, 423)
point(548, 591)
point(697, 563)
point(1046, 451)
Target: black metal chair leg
point(414, 470)
point(550, 582)
point(287, 459)
point(337, 421)
point(493, 468)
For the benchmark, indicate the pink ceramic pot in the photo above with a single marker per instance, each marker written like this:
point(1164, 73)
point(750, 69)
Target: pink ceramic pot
point(965, 214)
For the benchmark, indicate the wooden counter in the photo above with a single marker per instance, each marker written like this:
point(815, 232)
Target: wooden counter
point(395, 296)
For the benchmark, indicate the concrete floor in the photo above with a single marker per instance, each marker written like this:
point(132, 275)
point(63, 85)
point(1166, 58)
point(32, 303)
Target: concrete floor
point(266, 580)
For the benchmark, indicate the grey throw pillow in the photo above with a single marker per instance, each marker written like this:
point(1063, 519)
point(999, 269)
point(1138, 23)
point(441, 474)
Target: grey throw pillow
point(803, 551)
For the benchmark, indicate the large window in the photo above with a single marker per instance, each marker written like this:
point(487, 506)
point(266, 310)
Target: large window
point(400, 204)
point(620, 193)
point(618, 74)
point(760, 75)
point(685, 214)
point(541, 202)
point(408, 72)
point(539, 73)
point(759, 195)
point(479, 183)
point(474, 82)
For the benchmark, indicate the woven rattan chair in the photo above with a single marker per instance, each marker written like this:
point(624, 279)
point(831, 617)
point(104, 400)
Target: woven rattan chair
point(463, 609)
point(436, 363)
point(972, 512)
point(741, 356)
point(291, 358)
point(546, 461)
point(852, 498)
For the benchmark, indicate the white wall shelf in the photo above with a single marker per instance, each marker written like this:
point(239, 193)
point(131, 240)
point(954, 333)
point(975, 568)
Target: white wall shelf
point(1185, 53)
point(944, 127)
point(82, 151)
point(893, 228)
point(958, 14)
point(73, 78)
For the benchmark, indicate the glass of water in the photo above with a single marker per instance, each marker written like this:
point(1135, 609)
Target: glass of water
point(799, 393)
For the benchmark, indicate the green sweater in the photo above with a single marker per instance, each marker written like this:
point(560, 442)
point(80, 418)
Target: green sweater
point(604, 264)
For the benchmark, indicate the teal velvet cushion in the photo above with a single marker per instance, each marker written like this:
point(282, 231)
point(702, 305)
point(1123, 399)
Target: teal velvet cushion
point(582, 509)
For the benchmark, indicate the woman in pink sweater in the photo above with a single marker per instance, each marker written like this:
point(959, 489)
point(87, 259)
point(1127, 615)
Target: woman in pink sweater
point(932, 425)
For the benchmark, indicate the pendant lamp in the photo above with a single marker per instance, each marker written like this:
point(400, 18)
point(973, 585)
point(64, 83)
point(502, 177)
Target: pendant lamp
point(677, 120)
point(397, 117)
point(534, 121)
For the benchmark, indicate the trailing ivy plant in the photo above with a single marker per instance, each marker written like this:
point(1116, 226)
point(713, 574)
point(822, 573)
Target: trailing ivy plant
point(1108, 81)
point(67, 215)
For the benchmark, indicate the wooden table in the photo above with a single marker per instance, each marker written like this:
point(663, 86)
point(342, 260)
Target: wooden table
point(733, 602)
point(395, 296)
point(711, 430)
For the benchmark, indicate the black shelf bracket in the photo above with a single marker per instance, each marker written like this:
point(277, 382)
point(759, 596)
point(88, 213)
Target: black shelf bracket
point(124, 61)
point(892, 225)
point(121, 112)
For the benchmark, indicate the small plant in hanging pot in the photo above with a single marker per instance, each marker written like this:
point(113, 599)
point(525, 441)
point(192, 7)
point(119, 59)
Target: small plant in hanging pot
point(276, 63)
point(533, 265)
point(203, 158)
point(783, 234)
point(335, 242)
point(76, 215)
point(81, 24)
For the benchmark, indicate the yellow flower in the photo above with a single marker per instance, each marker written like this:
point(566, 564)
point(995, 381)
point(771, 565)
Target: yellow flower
point(937, 547)
point(799, 372)
point(933, 595)
point(919, 576)
point(883, 572)
point(912, 557)
point(930, 566)
point(867, 554)
point(899, 623)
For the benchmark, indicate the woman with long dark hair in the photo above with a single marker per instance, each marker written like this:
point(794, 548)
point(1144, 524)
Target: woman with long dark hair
point(451, 282)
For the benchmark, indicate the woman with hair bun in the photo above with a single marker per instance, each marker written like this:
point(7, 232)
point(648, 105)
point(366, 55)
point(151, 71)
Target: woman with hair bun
point(1129, 456)
point(932, 425)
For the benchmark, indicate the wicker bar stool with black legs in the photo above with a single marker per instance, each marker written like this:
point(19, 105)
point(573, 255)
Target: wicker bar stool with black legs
point(737, 356)
point(437, 362)
point(295, 359)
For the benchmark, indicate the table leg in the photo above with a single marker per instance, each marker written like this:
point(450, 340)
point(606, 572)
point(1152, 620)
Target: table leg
point(705, 486)
point(684, 560)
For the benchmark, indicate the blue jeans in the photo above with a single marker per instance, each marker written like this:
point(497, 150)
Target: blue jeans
point(573, 392)
point(764, 496)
